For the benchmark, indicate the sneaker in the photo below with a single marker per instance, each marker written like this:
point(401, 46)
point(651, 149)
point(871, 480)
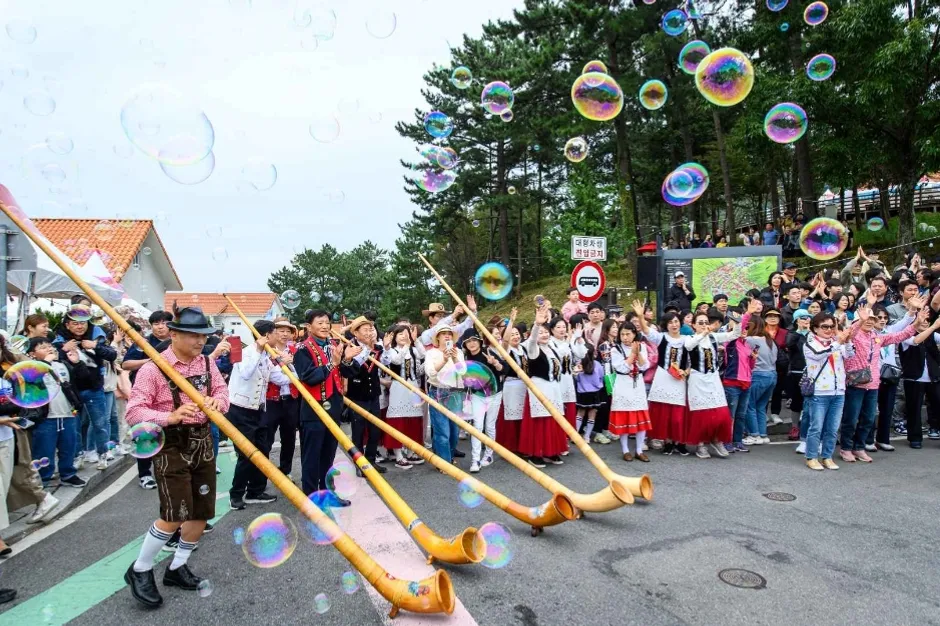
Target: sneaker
point(79, 462)
point(933, 433)
point(173, 543)
point(147, 482)
point(414, 459)
point(611, 435)
point(601, 438)
point(261, 498)
point(657, 444)
point(218, 471)
point(458, 454)
point(801, 449)
point(474, 467)
point(43, 509)
point(900, 428)
point(237, 503)
point(775, 419)
point(751, 441)
point(887, 447)
point(740, 447)
point(765, 439)
point(730, 447)
point(916, 445)
point(681, 449)
point(76, 481)
point(701, 452)
point(555, 460)
point(847, 456)
point(815, 465)
point(380, 458)
point(91, 457)
point(402, 464)
point(102, 464)
point(829, 464)
point(487, 461)
point(719, 449)
point(870, 447)
point(668, 448)
point(861, 455)
point(462, 435)
point(380, 469)
point(565, 453)
point(794, 434)
point(208, 529)
point(536, 461)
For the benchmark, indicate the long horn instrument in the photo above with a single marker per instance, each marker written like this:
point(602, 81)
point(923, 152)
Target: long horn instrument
point(638, 486)
point(605, 500)
point(402, 594)
point(557, 510)
point(465, 548)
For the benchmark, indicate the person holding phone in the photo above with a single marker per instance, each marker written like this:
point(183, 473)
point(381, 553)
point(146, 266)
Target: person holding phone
point(444, 357)
point(365, 389)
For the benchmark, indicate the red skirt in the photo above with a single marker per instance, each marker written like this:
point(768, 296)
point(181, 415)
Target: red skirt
point(540, 436)
point(708, 425)
point(507, 431)
point(571, 413)
point(629, 422)
point(668, 421)
point(412, 427)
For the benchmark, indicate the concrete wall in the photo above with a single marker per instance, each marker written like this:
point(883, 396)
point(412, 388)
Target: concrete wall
point(145, 281)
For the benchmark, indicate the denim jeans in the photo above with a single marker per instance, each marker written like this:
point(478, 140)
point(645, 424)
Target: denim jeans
point(762, 387)
point(95, 407)
point(737, 404)
point(113, 426)
point(858, 418)
point(445, 432)
point(215, 439)
point(825, 414)
point(55, 435)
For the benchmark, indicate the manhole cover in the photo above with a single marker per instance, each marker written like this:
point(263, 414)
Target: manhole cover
point(780, 496)
point(746, 579)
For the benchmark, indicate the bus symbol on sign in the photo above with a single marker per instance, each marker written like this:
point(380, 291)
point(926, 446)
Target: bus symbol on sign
point(588, 278)
point(588, 281)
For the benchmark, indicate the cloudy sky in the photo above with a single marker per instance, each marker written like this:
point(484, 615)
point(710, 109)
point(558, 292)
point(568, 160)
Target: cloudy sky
point(264, 72)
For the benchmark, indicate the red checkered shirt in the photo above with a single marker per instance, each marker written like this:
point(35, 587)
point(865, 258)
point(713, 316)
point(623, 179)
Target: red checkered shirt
point(151, 399)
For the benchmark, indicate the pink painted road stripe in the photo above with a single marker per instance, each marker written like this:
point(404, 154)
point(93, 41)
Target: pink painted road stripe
point(375, 529)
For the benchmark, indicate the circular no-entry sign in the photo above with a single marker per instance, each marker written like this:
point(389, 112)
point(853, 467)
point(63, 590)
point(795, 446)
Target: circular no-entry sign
point(588, 278)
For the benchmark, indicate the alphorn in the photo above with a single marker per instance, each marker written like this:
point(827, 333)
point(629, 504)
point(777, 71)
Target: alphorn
point(639, 486)
point(434, 594)
point(557, 510)
point(467, 547)
point(603, 500)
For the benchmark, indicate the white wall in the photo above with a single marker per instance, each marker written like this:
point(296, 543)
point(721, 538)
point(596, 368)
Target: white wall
point(145, 283)
point(232, 325)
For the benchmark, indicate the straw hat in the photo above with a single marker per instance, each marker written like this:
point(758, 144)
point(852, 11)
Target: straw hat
point(434, 307)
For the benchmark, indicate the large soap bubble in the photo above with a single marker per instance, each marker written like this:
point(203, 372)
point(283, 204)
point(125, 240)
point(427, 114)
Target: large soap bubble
point(785, 122)
point(497, 97)
point(597, 96)
point(824, 238)
point(166, 125)
point(725, 77)
point(692, 54)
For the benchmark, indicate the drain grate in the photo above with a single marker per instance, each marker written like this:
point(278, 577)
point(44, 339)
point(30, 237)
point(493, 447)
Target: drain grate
point(780, 496)
point(743, 578)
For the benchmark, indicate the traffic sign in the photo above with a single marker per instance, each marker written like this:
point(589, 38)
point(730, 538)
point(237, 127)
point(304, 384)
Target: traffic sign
point(588, 278)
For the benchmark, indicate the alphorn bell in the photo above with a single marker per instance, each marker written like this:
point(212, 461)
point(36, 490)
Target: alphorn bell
point(434, 594)
point(639, 486)
point(604, 500)
point(467, 547)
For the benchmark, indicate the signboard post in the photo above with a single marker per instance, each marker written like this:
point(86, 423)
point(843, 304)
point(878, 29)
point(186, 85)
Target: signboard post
point(588, 278)
point(588, 248)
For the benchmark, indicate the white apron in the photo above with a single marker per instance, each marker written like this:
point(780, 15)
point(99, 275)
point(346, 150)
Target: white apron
point(628, 397)
point(513, 399)
point(552, 392)
point(666, 389)
point(705, 391)
point(402, 402)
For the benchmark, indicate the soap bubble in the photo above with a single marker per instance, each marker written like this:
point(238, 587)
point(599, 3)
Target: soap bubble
point(325, 129)
point(238, 536)
point(475, 223)
point(821, 67)
point(875, 224)
point(290, 299)
point(259, 174)
point(653, 95)
point(39, 103)
point(21, 31)
point(497, 97)
point(166, 125)
point(341, 479)
point(203, 490)
point(824, 238)
point(468, 493)
point(103, 231)
point(511, 190)
point(785, 122)
point(146, 440)
point(493, 281)
point(506, 115)
point(349, 582)
point(784, 27)
point(576, 149)
point(675, 22)
point(321, 603)
point(725, 77)
point(777, 5)
point(329, 503)
point(431, 179)
point(816, 13)
point(597, 96)
point(692, 54)
point(191, 174)
point(59, 143)
point(685, 184)
point(204, 588)
point(146, 250)
point(594, 66)
point(25, 384)
point(53, 174)
point(438, 125)
point(381, 24)
point(461, 77)
point(498, 538)
point(269, 540)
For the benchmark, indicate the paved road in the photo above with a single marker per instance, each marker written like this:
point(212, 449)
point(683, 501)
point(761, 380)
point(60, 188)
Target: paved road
point(855, 545)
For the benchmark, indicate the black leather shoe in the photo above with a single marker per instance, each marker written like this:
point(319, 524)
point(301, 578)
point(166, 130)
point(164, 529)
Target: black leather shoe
point(143, 587)
point(208, 529)
point(380, 469)
point(458, 454)
point(342, 502)
point(7, 595)
point(181, 577)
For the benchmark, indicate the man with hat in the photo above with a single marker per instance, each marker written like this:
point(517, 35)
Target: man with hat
point(789, 277)
point(438, 318)
point(282, 400)
point(365, 389)
point(321, 365)
point(680, 293)
point(185, 465)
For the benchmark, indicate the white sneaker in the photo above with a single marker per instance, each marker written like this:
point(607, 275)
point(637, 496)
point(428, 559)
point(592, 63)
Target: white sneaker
point(79, 462)
point(887, 447)
point(462, 435)
point(487, 461)
point(702, 452)
point(109, 456)
point(120, 449)
point(657, 444)
point(102, 464)
point(474, 467)
point(91, 457)
point(719, 449)
point(775, 419)
point(752, 441)
point(870, 447)
point(611, 436)
point(44, 508)
point(801, 449)
point(765, 439)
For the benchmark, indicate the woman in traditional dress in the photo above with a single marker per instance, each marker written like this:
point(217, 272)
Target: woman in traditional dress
point(540, 437)
point(608, 339)
point(405, 408)
point(509, 420)
point(569, 345)
point(629, 411)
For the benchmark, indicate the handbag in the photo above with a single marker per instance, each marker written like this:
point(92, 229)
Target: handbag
point(808, 385)
point(890, 372)
point(861, 376)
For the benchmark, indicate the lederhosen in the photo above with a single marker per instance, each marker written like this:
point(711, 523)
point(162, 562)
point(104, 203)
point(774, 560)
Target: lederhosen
point(185, 467)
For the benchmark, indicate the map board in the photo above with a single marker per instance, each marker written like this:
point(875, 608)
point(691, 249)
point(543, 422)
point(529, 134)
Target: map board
point(714, 270)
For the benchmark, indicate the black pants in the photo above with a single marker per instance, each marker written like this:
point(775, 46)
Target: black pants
point(360, 427)
point(887, 393)
point(248, 479)
point(914, 393)
point(602, 418)
point(317, 445)
point(144, 468)
point(793, 390)
point(776, 399)
point(283, 414)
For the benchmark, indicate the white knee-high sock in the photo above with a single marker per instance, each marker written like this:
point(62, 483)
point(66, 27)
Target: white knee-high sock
point(399, 454)
point(578, 422)
point(182, 553)
point(588, 429)
point(640, 440)
point(153, 541)
point(625, 444)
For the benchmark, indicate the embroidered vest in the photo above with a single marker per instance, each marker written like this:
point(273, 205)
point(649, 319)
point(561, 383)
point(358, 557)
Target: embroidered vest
point(333, 383)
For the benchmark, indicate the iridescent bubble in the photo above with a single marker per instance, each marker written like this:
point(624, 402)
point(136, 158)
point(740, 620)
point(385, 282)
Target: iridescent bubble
point(692, 10)
point(431, 179)
point(875, 224)
point(146, 250)
point(725, 77)
point(576, 149)
point(821, 67)
point(39, 103)
point(269, 540)
point(25, 384)
point(321, 603)
point(785, 122)
point(784, 27)
point(19, 71)
point(80, 313)
point(330, 504)
point(438, 125)
point(475, 223)
point(19, 342)
point(166, 125)
point(653, 94)
point(692, 54)
point(341, 479)
point(536, 147)
point(349, 581)
point(498, 540)
point(461, 77)
point(325, 129)
point(204, 588)
point(59, 143)
point(468, 493)
point(381, 24)
point(44, 462)
point(34, 465)
point(497, 97)
point(511, 190)
point(238, 536)
point(594, 66)
point(191, 174)
point(290, 299)
point(21, 31)
point(103, 231)
point(146, 440)
point(675, 22)
point(823, 238)
point(259, 174)
point(685, 184)
point(446, 158)
point(203, 490)
point(816, 13)
point(597, 96)
point(53, 174)
point(777, 5)
point(506, 115)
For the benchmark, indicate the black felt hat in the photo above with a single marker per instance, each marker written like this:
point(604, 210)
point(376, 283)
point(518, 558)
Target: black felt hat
point(191, 320)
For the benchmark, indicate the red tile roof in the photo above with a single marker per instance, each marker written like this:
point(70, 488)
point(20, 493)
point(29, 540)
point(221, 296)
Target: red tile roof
point(116, 241)
point(254, 304)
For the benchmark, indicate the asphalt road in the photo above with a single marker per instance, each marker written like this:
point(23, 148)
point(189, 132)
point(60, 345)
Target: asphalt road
point(855, 545)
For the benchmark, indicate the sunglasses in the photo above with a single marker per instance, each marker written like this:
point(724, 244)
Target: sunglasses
point(881, 317)
point(827, 326)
